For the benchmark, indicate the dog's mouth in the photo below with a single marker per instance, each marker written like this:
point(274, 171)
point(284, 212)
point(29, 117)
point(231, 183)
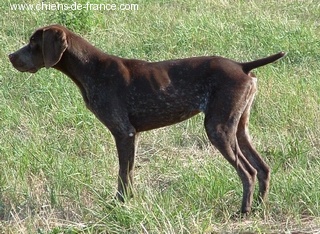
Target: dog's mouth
point(20, 66)
point(32, 70)
point(23, 69)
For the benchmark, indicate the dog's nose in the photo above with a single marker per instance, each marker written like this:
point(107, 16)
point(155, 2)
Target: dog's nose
point(11, 57)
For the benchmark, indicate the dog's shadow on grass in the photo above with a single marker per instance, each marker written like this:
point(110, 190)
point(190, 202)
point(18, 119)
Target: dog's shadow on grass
point(10, 212)
point(3, 209)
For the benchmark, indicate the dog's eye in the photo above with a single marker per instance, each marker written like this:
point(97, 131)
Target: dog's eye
point(32, 42)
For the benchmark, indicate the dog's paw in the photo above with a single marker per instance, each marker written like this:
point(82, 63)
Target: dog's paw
point(240, 215)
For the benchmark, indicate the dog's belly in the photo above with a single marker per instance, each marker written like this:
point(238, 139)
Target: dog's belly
point(149, 111)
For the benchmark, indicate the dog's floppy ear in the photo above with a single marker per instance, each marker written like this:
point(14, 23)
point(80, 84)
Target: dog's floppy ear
point(54, 43)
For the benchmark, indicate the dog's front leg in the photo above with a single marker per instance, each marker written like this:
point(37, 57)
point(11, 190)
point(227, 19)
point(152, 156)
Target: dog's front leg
point(126, 146)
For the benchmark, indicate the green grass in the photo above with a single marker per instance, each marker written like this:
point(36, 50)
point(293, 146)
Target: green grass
point(58, 162)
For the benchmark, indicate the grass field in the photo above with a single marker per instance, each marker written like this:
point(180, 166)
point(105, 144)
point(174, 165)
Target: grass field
point(58, 162)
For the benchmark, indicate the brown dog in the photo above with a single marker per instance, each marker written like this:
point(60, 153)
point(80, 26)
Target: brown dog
point(130, 96)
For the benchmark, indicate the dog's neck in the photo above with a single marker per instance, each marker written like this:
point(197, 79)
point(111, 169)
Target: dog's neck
point(80, 56)
point(79, 62)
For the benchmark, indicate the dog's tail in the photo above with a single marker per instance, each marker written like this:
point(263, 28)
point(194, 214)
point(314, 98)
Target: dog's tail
point(247, 67)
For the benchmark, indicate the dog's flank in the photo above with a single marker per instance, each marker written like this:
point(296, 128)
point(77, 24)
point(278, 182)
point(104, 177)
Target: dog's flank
point(129, 96)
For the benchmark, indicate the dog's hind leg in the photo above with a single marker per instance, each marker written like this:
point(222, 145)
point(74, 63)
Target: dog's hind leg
point(222, 118)
point(251, 154)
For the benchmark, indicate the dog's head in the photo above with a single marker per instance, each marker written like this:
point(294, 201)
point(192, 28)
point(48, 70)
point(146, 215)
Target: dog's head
point(45, 49)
